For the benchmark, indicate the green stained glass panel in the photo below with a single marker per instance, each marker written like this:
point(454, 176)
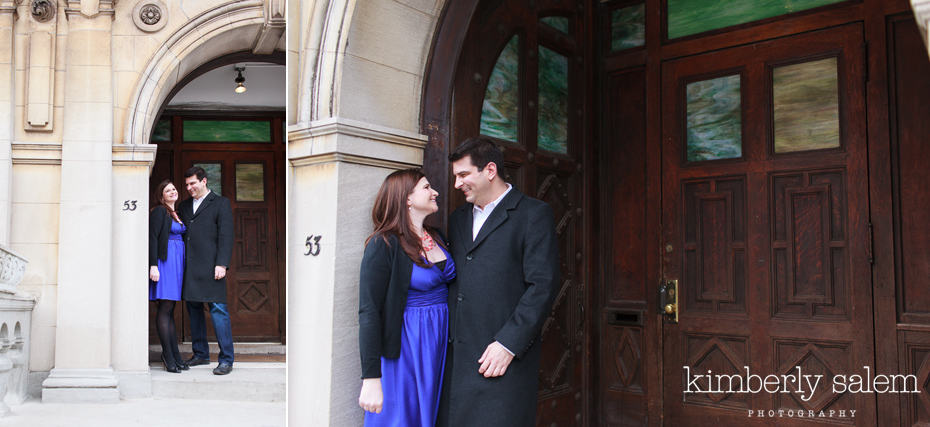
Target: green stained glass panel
point(558, 22)
point(686, 17)
point(628, 27)
point(227, 131)
point(501, 99)
point(250, 182)
point(214, 176)
point(807, 106)
point(714, 125)
point(162, 131)
point(553, 101)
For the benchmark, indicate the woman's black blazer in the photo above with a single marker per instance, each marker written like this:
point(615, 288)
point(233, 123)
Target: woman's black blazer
point(159, 229)
point(383, 283)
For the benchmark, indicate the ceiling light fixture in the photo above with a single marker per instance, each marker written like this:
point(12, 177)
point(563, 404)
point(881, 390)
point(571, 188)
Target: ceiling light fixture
point(240, 81)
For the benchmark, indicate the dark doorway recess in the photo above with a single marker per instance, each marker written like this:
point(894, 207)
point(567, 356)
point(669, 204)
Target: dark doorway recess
point(243, 154)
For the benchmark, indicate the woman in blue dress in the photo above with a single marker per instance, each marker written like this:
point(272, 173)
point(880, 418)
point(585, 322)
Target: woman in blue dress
point(166, 271)
point(403, 312)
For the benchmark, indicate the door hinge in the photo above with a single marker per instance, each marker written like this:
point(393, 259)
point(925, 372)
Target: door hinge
point(871, 255)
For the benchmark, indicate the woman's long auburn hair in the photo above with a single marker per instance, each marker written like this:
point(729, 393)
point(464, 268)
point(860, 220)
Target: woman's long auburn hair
point(391, 216)
point(160, 195)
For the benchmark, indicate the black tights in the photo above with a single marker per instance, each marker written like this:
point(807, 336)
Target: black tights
point(167, 334)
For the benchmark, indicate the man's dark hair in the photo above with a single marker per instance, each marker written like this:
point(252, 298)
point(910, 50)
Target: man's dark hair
point(482, 151)
point(196, 170)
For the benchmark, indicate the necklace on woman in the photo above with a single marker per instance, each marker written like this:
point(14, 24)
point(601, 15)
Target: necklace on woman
point(427, 242)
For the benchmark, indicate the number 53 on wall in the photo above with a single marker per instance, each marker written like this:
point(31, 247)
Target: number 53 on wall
point(313, 245)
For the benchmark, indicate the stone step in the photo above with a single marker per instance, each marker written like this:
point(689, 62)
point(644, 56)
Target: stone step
point(249, 381)
point(245, 351)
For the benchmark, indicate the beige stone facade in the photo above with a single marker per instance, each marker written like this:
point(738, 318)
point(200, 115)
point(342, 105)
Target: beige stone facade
point(81, 84)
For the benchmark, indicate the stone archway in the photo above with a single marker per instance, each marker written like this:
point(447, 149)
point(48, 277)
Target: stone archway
point(217, 32)
point(222, 30)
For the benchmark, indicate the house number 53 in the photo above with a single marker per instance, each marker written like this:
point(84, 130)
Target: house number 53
point(129, 205)
point(313, 245)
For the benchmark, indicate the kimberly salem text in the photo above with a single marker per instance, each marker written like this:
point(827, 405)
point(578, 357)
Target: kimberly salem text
point(796, 381)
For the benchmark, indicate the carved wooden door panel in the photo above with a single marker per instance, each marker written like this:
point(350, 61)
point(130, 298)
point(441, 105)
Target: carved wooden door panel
point(252, 284)
point(765, 226)
point(521, 82)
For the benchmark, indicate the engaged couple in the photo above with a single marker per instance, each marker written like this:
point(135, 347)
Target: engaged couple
point(448, 328)
point(190, 245)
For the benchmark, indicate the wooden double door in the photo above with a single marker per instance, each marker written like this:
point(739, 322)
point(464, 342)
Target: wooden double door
point(789, 258)
point(764, 239)
point(250, 175)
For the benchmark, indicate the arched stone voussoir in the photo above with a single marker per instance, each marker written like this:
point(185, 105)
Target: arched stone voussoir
point(369, 60)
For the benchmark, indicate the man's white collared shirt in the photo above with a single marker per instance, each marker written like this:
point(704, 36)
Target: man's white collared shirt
point(197, 202)
point(481, 215)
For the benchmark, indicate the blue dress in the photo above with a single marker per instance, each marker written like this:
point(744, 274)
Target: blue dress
point(171, 269)
point(412, 382)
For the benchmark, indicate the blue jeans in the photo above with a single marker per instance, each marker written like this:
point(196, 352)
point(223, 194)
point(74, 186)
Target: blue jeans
point(221, 326)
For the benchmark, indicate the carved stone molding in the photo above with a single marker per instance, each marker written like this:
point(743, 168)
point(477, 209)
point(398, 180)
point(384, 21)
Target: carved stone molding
point(36, 153)
point(40, 79)
point(272, 29)
point(43, 10)
point(150, 15)
point(12, 268)
point(91, 8)
point(275, 9)
point(15, 318)
point(8, 6)
point(340, 140)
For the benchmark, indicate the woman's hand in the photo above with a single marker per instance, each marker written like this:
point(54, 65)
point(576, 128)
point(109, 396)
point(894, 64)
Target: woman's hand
point(371, 397)
point(153, 273)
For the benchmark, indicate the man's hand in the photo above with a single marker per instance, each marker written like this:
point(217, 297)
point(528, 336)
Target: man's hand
point(153, 273)
point(219, 272)
point(495, 360)
point(371, 398)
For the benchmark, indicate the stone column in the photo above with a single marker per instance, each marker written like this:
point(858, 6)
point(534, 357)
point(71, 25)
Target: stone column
point(7, 12)
point(132, 165)
point(335, 169)
point(83, 341)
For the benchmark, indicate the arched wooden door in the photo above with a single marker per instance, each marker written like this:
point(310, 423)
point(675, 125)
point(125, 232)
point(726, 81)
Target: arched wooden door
point(520, 79)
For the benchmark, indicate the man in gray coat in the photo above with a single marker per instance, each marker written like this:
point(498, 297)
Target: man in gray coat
point(506, 255)
point(208, 249)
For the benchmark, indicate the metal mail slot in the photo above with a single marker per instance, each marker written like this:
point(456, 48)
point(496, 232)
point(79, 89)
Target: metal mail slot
point(624, 317)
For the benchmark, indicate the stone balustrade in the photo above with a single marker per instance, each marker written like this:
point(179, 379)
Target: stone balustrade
point(15, 316)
